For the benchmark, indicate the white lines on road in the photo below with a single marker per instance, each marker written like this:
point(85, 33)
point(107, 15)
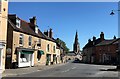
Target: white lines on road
point(68, 69)
point(73, 67)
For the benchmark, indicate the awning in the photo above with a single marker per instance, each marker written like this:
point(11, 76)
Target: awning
point(26, 52)
point(41, 52)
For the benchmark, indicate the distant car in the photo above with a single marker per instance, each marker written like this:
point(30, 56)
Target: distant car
point(76, 61)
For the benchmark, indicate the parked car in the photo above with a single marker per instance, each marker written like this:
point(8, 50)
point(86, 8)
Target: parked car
point(76, 60)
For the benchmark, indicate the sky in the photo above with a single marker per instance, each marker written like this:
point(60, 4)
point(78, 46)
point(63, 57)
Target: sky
point(88, 18)
point(63, 0)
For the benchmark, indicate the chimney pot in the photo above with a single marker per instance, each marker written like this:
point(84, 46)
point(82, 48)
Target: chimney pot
point(102, 36)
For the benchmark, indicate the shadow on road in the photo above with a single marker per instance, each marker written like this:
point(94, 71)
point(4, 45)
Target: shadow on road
point(109, 69)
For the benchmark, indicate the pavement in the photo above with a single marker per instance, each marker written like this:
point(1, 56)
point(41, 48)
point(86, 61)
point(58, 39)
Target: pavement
point(27, 70)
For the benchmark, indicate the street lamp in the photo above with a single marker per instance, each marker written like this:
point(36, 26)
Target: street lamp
point(112, 13)
point(118, 65)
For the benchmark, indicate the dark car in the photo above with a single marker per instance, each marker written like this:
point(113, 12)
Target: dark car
point(76, 61)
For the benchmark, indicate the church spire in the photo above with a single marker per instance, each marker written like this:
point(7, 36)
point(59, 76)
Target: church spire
point(76, 47)
point(76, 37)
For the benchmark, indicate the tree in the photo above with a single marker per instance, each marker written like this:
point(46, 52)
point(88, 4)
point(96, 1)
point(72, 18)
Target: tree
point(63, 44)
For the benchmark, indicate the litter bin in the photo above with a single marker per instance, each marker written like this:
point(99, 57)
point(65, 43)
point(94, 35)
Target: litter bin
point(14, 65)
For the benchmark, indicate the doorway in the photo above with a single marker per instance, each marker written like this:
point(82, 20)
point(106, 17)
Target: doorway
point(0, 58)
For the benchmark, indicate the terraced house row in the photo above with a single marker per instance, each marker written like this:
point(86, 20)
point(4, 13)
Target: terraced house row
point(22, 44)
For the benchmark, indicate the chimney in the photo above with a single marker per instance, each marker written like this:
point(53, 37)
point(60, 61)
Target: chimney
point(94, 38)
point(102, 36)
point(114, 37)
point(50, 33)
point(33, 20)
point(33, 24)
point(46, 33)
point(89, 40)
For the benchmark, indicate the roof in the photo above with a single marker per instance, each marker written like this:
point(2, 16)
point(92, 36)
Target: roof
point(92, 43)
point(108, 42)
point(71, 54)
point(25, 28)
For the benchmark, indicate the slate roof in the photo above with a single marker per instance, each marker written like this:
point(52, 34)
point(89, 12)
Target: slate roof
point(91, 43)
point(108, 42)
point(25, 28)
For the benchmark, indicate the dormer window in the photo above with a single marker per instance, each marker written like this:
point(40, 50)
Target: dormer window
point(17, 22)
point(36, 29)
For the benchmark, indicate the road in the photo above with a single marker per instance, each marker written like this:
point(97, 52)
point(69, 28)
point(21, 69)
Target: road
point(75, 70)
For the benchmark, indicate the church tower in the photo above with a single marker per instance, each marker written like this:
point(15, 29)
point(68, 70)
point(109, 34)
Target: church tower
point(76, 46)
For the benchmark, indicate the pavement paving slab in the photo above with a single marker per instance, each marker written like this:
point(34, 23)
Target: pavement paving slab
point(27, 70)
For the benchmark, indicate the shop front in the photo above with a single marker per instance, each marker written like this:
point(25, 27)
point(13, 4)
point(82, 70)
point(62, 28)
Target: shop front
point(25, 57)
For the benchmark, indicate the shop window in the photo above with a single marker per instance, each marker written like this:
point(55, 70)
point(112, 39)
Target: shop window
point(21, 39)
point(22, 56)
point(30, 40)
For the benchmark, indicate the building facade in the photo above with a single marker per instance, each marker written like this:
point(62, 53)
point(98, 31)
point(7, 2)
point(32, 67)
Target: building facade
point(101, 50)
point(3, 31)
point(106, 52)
point(89, 49)
point(28, 45)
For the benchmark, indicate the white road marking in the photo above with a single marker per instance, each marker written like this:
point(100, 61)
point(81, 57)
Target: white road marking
point(66, 70)
point(73, 67)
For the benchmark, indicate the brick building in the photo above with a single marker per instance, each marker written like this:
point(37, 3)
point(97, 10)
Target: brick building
point(101, 50)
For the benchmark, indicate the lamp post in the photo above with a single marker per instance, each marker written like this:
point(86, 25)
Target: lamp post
point(118, 52)
point(112, 13)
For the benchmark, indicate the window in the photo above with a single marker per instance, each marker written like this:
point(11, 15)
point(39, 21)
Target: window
point(54, 49)
point(0, 6)
point(30, 40)
point(36, 29)
point(48, 47)
point(22, 56)
point(21, 39)
point(17, 22)
point(39, 43)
